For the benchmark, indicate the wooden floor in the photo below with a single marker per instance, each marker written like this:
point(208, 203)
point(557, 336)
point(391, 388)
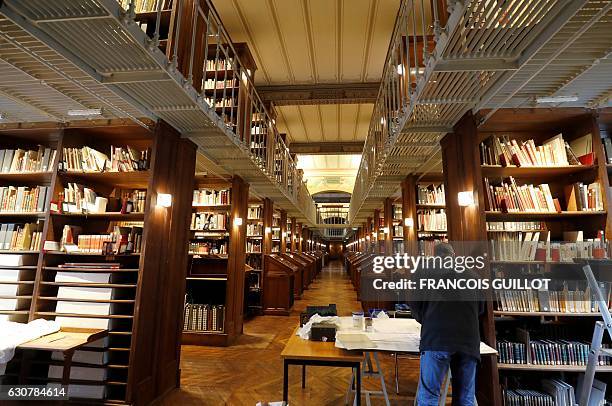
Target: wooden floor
point(252, 370)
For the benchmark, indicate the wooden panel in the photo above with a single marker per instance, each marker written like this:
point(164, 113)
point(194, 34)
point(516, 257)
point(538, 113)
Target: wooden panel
point(409, 211)
point(388, 213)
point(283, 231)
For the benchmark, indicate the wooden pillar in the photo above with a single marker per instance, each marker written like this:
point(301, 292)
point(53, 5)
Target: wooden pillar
point(283, 231)
point(409, 212)
point(268, 212)
point(298, 235)
point(462, 172)
point(235, 282)
point(368, 235)
point(388, 212)
point(293, 236)
point(376, 235)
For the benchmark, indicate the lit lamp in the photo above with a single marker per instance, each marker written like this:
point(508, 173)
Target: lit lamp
point(237, 221)
point(385, 230)
point(466, 198)
point(268, 230)
point(409, 222)
point(164, 199)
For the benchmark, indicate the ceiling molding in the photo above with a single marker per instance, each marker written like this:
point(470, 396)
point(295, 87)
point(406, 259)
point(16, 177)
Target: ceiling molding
point(340, 93)
point(320, 148)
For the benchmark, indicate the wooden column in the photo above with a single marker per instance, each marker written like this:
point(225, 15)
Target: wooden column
point(368, 235)
point(462, 172)
point(283, 231)
point(235, 278)
point(374, 240)
point(388, 211)
point(409, 211)
point(293, 231)
point(298, 235)
point(268, 211)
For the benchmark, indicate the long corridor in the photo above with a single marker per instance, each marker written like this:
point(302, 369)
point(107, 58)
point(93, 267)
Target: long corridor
point(252, 370)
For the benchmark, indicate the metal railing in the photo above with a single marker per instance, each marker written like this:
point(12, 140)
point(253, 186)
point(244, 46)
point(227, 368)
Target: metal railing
point(199, 47)
point(333, 215)
point(417, 29)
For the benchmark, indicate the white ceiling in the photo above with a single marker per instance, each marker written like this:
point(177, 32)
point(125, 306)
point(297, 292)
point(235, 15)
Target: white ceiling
point(329, 172)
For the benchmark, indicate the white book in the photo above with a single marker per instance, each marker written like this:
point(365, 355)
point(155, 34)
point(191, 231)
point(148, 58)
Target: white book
point(101, 343)
point(2, 152)
point(83, 322)
point(3, 229)
point(9, 275)
point(84, 357)
point(86, 308)
point(40, 204)
point(8, 159)
point(83, 391)
point(76, 292)
point(82, 277)
point(8, 236)
point(81, 373)
point(8, 290)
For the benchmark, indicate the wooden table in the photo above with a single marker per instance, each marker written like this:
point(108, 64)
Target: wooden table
point(316, 353)
point(66, 341)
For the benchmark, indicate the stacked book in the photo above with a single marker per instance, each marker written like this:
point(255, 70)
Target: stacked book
point(219, 64)
point(254, 230)
point(209, 221)
point(23, 160)
point(432, 220)
point(511, 226)
point(121, 159)
point(581, 197)
point(432, 194)
point(21, 237)
point(509, 352)
point(206, 318)
point(253, 246)
point(528, 397)
point(10, 275)
point(561, 352)
point(207, 248)
point(210, 197)
point(398, 231)
point(510, 197)
point(210, 84)
point(254, 212)
point(24, 199)
point(503, 151)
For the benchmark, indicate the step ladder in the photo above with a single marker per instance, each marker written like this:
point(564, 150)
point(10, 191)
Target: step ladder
point(596, 351)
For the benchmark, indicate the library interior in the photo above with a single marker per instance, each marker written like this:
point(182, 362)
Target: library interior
point(209, 202)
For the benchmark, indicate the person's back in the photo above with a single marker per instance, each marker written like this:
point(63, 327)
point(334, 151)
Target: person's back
point(450, 338)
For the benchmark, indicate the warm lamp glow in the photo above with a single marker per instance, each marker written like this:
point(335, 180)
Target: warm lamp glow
point(409, 222)
point(164, 199)
point(466, 198)
point(268, 230)
point(237, 221)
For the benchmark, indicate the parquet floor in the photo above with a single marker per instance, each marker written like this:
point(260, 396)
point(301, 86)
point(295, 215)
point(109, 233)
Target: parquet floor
point(252, 370)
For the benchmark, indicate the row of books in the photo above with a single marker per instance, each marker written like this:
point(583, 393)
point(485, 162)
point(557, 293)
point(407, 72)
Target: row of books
point(509, 226)
point(537, 246)
point(209, 221)
point(23, 160)
point(203, 317)
point(211, 197)
point(426, 247)
point(255, 230)
point(432, 194)
point(24, 199)
point(121, 159)
point(581, 197)
point(431, 220)
point(509, 352)
point(253, 246)
point(553, 392)
point(555, 151)
point(219, 64)
point(398, 231)
point(207, 248)
point(144, 6)
point(125, 238)
point(579, 300)
point(210, 84)
point(254, 261)
point(255, 212)
point(219, 102)
point(21, 237)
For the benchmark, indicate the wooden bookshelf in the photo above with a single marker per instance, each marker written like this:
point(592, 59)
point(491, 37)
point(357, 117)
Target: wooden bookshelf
point(215, 274)
point(463, 171)
point(134, 316)
point(253, 287)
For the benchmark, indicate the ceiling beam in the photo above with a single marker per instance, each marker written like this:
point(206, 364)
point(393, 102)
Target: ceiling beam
point(329, 93)
point(320, 148)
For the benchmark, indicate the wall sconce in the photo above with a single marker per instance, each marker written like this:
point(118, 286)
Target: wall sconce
point(268, 230)
point(385, 230)
point(409, 222)
point(237, 221)
point(164, 199)
point(400, 69)
point(368, 237)
point(466, 198)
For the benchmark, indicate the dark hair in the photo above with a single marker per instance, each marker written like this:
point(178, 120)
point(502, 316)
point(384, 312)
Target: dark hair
point(444, 249)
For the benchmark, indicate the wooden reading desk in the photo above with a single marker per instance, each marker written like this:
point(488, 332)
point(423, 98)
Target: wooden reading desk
point(316, 353)
point(66, 341)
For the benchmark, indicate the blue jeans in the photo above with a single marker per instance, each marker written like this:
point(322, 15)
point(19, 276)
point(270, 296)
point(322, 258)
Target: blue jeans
point(435, 365)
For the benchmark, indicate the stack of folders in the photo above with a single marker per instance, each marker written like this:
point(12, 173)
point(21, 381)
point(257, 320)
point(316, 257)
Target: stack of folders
point(10, 275)
point(70, 298)
point(198, 317)
point(92, 370)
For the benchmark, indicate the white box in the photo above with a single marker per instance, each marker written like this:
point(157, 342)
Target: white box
point(102, 309)
point(83, 322)
point(76, 292)
point(11, 260)
point(8, 304)
point(8, 290)
point(82, 277)
point(9, 275)
point(101, 343)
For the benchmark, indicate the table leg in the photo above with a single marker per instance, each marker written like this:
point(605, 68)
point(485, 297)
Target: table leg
point(396, 374)
point(67, 365)
point(285, 381)
point(303, 376)
point(358, 385)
